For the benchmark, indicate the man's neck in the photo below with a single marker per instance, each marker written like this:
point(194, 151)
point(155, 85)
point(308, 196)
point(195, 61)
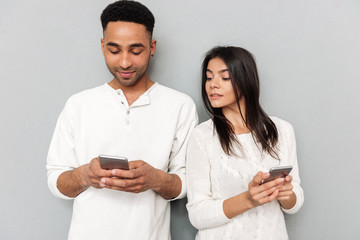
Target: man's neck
point(132, 93)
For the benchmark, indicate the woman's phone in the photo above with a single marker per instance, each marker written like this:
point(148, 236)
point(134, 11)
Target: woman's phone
point(278, 172)
point(113, 162)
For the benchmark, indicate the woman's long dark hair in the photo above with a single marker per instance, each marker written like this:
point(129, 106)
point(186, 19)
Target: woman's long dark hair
point(245, 81)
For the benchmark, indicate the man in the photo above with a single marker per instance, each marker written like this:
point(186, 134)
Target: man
point(131, 116)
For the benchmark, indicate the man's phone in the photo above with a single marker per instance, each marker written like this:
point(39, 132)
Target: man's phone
point(278, 172)
point(113, 162)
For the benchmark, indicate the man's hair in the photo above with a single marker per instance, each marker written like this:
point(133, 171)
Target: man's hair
point(128, 11)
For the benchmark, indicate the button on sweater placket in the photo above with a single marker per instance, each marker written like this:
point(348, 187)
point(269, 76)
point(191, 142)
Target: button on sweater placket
point(127, 116)
point(127, 109)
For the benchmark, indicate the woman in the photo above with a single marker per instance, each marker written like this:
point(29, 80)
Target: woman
point(229, 156)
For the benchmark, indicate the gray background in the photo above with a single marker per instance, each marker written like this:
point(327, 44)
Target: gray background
point(308, 57)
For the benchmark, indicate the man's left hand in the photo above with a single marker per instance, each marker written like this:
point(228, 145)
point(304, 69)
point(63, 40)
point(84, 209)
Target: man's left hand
point(141, 177)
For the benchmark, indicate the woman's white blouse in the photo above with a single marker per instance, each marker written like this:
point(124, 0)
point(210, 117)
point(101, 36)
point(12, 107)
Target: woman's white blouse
point(213, 176)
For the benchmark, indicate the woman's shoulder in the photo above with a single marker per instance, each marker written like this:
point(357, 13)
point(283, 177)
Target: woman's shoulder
point(205, 126)
point(204, 129)
point(282, 126)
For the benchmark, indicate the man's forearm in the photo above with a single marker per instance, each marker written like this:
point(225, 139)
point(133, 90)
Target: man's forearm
point(72, 183)
point(170, 185)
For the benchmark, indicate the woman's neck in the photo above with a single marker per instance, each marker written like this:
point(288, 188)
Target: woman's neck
point(233, 115)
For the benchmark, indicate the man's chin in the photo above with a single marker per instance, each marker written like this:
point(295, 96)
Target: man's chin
point(126, 82)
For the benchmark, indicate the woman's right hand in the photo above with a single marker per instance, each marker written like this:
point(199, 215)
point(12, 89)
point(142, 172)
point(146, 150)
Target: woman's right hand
point(260, 194)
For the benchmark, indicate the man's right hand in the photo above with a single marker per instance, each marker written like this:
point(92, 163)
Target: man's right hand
point(94, 173)
point(72, 183)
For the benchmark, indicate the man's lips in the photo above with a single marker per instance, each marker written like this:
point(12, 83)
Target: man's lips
point(126, 74)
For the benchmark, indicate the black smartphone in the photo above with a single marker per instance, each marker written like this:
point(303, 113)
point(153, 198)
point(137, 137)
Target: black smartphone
point(113, 162)
point(278, 172)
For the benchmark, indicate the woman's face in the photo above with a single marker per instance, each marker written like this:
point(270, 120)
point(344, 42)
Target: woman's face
point(218, 85)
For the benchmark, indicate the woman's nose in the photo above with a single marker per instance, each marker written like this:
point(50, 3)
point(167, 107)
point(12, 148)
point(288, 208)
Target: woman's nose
point(214, 83)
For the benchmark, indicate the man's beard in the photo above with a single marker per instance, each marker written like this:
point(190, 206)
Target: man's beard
point(127, 82)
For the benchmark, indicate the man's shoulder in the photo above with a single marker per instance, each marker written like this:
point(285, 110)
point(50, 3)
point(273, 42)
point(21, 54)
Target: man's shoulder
point(87, 95)
point(171, 95)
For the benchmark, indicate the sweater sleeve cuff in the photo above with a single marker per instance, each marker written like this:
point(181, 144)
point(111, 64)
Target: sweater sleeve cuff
point(209, 215)
point(52, 182)
point(299, 201)
point(220, 216)
point(183, 187)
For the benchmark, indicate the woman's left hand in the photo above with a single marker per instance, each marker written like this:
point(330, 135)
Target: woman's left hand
point(285, 191)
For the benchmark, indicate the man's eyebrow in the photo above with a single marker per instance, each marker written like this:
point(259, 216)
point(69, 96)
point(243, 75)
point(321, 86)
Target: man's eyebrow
point(136, 45)
point(113, 44)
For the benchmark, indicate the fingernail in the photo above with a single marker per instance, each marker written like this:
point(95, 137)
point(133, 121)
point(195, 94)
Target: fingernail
point(102, 185)
point(113, 172)
point(103, 180)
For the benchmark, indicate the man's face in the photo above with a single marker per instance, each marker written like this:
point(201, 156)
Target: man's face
point(127, 48)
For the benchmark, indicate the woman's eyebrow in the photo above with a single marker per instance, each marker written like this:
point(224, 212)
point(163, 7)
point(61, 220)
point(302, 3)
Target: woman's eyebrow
point(221, 71)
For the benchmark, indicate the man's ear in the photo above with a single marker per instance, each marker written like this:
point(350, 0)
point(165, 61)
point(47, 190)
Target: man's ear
point(102, 45)
point(152, 47)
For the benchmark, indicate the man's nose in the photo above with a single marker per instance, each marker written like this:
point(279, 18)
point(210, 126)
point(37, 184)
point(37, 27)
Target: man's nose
point(125, 61)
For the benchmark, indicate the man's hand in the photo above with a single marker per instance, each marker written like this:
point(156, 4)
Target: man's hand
point(264, 193)
point(94, 173)
point(141, 177)
point(72, 183)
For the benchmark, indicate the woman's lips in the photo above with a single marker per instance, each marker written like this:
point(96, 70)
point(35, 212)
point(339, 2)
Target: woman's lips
point(215, 96)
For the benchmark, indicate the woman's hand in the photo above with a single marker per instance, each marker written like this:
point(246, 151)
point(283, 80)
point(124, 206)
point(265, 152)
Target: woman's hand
point(260, 194)
point(285, 191)
point(286, 196)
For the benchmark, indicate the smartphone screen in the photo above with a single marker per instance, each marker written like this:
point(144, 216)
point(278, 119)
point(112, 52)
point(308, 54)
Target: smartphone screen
point(113, 162)
point(278, 172)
